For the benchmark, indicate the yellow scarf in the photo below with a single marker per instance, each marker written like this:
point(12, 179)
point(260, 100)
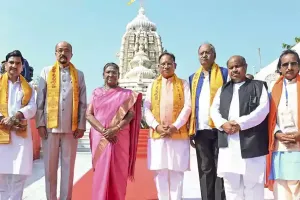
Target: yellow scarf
point(27, 90)
point(178, 103)
point(53, 87)
point(216, 81)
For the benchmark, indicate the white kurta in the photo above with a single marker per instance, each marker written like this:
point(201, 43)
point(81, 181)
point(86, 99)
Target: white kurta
point(204, 104)
point(17, 156)
point(230, 159)
point(168, 153)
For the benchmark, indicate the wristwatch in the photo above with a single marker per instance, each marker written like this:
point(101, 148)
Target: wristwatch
point(15, 120)
point(279, 131)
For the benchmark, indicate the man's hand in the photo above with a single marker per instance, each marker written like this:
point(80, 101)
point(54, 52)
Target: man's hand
point(19, 115)
point(227, 127)
point(18, 128)
point(78, 133)
point(7, 122)
point(235, 126)
point(163, 130)
point(172, 129)
point(294, 135)
point(43, 132)
point(286, 139)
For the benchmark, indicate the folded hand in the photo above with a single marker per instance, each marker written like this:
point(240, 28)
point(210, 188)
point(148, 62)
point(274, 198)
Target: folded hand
point(163, 131)
point(293, 135)
point(286, 138)
point(18, 128)
point(7, 122)
point(111, 134)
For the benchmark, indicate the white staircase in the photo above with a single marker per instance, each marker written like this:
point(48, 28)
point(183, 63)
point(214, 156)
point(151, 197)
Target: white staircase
point(84, 142)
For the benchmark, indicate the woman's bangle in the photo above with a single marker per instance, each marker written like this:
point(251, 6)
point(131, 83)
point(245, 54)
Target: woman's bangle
point(119, 127)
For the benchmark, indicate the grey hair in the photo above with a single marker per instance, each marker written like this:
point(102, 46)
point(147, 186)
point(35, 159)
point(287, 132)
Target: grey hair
point(213, 49)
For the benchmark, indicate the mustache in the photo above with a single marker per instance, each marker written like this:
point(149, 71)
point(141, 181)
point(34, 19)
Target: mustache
point(62, 56)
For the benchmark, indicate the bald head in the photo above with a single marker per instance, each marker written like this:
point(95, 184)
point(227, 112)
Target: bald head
point(237, 67)
point(63, 53)
point(63, 43)
point(239, 58)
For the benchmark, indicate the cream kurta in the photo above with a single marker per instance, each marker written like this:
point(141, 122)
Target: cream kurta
point(17, 156)
point(293, 109)
point(230, 159)
point(168, 153)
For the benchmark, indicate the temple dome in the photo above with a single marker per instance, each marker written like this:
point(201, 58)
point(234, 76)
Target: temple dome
point(141, 21)
point(140, 72)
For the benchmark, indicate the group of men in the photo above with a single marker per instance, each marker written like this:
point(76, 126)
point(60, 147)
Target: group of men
point(59, 110)
point(223, 114)
point(220, 112)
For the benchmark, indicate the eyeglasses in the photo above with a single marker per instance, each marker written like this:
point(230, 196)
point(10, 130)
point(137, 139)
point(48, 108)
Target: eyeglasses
point(293, 64)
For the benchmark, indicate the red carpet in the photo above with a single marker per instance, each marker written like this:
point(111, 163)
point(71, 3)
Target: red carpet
point(143, 188)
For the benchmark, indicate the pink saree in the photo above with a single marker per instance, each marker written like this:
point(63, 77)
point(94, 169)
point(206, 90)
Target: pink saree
point(114, 163)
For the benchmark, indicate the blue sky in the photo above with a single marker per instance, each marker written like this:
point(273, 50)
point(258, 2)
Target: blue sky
point(95, 29)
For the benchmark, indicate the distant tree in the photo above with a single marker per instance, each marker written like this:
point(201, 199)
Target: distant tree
point(288, 46)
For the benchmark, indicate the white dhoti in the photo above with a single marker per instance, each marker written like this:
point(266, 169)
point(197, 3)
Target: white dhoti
point(12, 186)
point(169, 159)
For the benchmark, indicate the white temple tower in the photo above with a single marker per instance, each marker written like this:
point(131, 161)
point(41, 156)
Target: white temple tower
point(140, 49)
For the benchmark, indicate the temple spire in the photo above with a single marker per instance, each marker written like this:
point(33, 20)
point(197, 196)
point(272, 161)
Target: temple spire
point(141, 3)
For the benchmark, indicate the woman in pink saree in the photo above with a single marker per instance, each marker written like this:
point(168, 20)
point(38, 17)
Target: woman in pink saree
point(115, 115)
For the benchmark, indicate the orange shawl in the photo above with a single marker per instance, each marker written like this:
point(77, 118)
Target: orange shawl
point(274, 102)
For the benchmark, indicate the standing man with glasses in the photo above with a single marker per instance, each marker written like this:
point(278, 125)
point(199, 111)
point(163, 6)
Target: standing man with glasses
point(60, 119)
point(204, 85)
point(167, 109)
point(283, 164)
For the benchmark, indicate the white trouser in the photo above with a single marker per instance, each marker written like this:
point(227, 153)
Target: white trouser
point(238, 187)
point(12, 186)
point(169, 184)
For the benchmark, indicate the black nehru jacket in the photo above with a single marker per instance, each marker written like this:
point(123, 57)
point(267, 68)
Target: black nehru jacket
point(254, 141)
